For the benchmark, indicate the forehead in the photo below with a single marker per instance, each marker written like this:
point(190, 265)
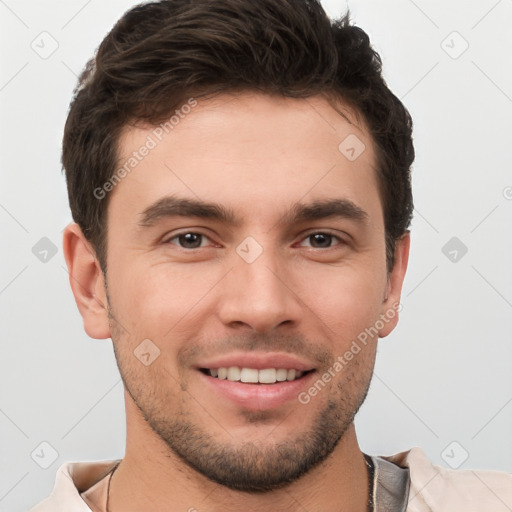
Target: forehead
point(251, 151)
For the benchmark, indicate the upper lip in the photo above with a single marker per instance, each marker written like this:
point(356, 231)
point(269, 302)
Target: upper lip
point(258, 361)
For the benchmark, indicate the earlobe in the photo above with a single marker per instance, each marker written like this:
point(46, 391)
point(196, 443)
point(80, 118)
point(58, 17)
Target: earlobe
point(87, 282)
point(391, 303)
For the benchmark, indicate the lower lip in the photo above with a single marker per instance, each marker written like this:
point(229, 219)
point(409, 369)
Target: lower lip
point(258, 397)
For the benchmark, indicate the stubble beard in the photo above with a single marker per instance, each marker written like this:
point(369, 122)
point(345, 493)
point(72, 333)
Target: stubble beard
point(253, 467)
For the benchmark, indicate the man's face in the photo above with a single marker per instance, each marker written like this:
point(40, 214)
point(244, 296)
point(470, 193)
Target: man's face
point(247, 239)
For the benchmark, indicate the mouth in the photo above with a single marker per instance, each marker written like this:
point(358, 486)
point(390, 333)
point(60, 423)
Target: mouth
point(255, 375)
point(256, 381)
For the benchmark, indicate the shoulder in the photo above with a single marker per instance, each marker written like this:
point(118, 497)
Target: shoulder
point(438, 489)
point(71, 480)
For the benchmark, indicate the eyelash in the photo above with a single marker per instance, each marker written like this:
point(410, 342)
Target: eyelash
point(325, 232)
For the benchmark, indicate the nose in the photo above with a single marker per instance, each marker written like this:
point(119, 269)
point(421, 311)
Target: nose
point(260, 296)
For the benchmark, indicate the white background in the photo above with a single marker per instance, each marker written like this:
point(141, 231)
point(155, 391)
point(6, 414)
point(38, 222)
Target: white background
point(444, 375)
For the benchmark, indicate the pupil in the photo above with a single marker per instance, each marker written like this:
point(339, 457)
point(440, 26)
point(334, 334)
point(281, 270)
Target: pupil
point(190, 240)
point(321, 240)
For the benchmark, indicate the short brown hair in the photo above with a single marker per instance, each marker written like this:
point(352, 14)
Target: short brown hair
point(159, 54)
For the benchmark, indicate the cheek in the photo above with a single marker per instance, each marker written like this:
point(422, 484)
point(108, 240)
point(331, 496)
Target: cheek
point(154, 387)
point(153, 299)
point(346, 299)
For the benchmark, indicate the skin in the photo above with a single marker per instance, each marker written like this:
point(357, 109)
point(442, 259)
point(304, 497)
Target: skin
point(257, 156)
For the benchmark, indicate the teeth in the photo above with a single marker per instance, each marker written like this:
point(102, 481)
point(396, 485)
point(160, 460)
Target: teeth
point(234, 373)
point(267, 376)
point(254, 376)
point(281, 374)
point(249, 375)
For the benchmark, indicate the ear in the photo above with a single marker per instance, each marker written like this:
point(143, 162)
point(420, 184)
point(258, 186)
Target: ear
point(391, 304)
point(87, 282)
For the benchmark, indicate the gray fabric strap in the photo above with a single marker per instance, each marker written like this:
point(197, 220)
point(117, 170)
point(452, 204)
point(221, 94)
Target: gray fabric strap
point(390, 486)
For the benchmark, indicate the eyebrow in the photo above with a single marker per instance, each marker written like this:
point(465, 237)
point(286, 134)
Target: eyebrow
point(324, 209)
point(172, 206)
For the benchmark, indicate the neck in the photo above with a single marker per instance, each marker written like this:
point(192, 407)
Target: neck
point(152, 478)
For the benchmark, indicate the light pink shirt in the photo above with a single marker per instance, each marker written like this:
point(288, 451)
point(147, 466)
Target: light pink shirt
point(82, 487)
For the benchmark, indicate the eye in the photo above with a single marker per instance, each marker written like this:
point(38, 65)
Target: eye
point(189, 240)
point(320, 240)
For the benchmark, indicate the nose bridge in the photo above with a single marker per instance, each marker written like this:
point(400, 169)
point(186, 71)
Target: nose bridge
point(257, 294)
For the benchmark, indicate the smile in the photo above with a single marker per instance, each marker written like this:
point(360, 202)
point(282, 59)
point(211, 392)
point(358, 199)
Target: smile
point(254, 375)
